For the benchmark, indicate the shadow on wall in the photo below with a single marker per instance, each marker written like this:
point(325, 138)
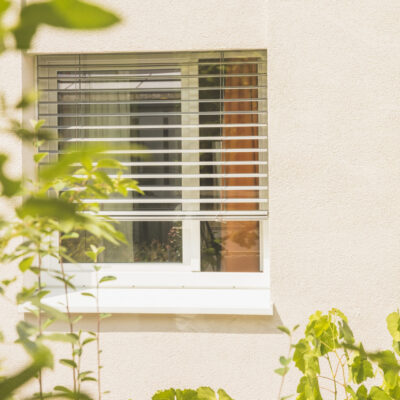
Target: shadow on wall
point(176, 323)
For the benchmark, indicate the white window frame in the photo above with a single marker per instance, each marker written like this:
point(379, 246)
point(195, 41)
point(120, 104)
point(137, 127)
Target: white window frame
point(172, 287)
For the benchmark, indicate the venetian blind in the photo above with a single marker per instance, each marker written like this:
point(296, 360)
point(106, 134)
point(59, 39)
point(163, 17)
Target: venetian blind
point(191, 128)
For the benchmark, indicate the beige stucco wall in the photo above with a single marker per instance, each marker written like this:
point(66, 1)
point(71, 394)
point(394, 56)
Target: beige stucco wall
point(334, 178)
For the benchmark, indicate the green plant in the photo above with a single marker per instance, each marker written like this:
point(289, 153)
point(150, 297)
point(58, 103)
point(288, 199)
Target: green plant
point(55, 206)
point(333, 365)
point(202, 393)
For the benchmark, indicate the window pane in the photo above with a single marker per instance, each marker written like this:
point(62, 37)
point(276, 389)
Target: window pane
point(148, 241)
point(230, 246)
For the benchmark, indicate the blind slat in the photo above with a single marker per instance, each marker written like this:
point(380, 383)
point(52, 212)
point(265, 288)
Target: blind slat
point(174, 201)
point(140, 127)
point(162, 139)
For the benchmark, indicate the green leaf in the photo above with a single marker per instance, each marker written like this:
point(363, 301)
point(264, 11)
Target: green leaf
point(109, 163)
point(53, 312)
point(72, 235)
point(88, 294)
point(281, 371)
point(206, 393)
point(61, 337)
point(42, 358)
point(7, 282)
point(4, 5)
point(377, 393)
point(308, 389)
point(88, 340)
point(386, 360)
point(68, 363)
point(91, 255)
point(36, 125)
point(361, 369)
point(345, 332)
point(39, 157)
point(62, 389)
point(223, 395)
point(70, 14)
point(105, 315)
point(284, 329)
point(9, 187)
point(168, 394)
point(48, 207)
point(88, 378)
point(186, 394)
point(284, 361)
point(107, 278)
point(65, 281)
point(84, 373)
point(393, 325)
point(27, 99)
point(362, 393)
point(26, 263)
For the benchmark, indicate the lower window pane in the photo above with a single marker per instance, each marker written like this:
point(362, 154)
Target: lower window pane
point(230, 246)
point(147, 241)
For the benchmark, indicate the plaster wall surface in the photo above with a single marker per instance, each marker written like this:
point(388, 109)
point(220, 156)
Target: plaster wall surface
point(334, 84)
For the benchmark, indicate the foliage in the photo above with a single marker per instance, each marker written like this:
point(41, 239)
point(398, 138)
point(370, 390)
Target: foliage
point(202, 393)
point(328, 344)
point(56, 205)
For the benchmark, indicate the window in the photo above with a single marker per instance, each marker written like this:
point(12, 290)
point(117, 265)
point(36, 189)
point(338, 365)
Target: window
point(192, 129)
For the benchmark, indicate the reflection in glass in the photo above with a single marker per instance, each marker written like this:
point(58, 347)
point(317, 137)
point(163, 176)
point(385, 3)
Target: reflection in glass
point(230, 246)
point(148, 241)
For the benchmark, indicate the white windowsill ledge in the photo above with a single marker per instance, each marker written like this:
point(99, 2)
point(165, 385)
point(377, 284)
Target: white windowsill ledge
point(164, 301)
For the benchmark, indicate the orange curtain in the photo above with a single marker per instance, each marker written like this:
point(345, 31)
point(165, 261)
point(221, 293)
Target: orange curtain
point(240, 238)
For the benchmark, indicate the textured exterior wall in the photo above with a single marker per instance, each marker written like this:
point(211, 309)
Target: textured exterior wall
point(334, 178)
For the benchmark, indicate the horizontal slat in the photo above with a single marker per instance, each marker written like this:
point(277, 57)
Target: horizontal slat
point(191, 188)
point(197, 188)
point(178, 163)
point(139, 77)
point(143, 216)
point(138, 127)
point(153, 89)
point(162, 139)
point(191, 163)
point(183, 176)
point(239, 100)
point(84, 64)
point(179, 151)
point(184, 213)
point(152, 114)
point(173, 201)
point(172, 151)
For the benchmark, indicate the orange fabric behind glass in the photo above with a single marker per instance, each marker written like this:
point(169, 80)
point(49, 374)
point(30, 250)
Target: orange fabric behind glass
point(241, 255)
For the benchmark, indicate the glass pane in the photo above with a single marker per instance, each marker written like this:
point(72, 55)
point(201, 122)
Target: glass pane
point(234, 162)
point(230, 246)
point(148, 241)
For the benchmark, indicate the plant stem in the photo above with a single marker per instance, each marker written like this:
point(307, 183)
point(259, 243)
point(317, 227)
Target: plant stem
point(283, 376)
point(98, 336)
point(330, 379)
point(333, 375)
point(40, 377)
point(343, 373)
point(69, 316)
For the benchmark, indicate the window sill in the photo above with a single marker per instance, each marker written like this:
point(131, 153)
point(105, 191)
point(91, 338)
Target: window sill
point(251, 301)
